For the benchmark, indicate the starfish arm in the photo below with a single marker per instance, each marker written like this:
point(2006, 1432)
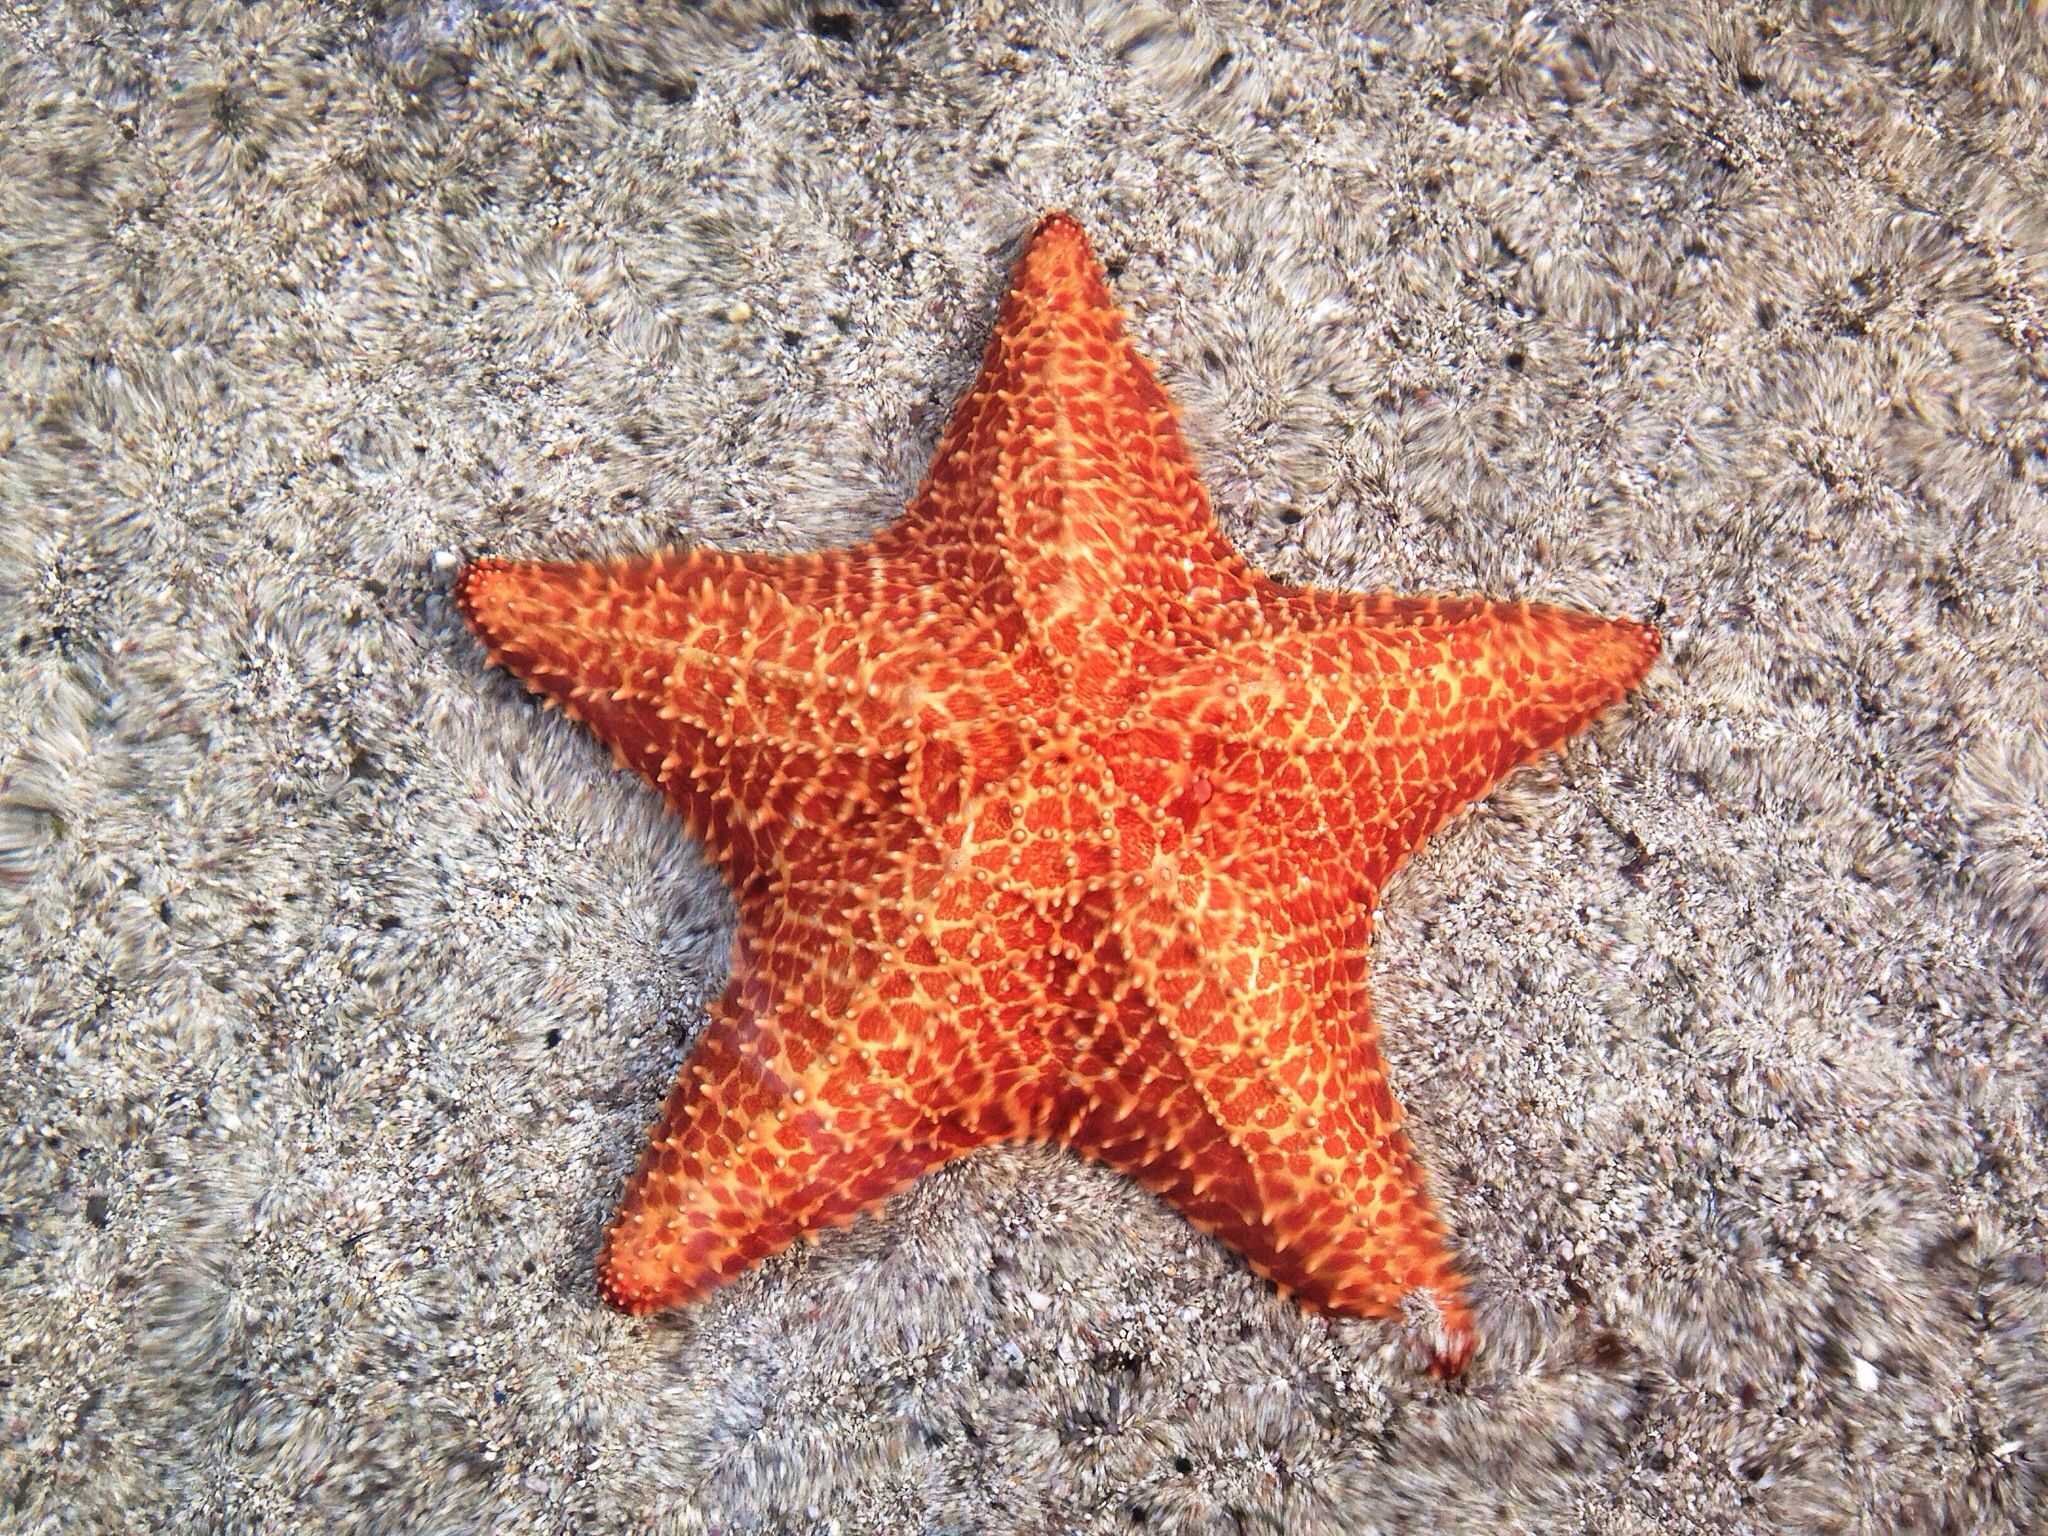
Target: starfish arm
point(876, 1025)
point(745, 1160)
point(1346, 742)
point(802, 1105)
point(1337, 1215)
point(1063, 490)
point(749, 710)
point(1243, 1083)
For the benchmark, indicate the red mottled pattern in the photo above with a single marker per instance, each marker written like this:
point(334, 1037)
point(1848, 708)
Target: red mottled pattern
point(1047, 817)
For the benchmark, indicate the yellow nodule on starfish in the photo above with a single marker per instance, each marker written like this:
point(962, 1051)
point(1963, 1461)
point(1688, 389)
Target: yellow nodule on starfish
point(1047, 817)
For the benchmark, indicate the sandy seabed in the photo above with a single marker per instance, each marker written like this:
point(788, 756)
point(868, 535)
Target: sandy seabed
point(339, 982)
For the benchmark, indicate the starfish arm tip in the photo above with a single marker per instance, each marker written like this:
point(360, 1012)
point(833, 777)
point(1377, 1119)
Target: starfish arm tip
point(1059, 260)
point(1618, 651)
point(479, 590)
point(1061, 225)
point(1648, 640)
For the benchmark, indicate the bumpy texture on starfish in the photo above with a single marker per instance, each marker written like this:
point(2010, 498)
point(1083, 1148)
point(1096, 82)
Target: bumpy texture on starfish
point(1047, 817)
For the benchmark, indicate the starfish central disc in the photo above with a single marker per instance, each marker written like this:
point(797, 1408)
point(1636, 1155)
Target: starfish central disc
point(1047, 817)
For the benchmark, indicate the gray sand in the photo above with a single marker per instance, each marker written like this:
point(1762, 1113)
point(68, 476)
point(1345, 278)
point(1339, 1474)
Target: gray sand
point(339, 982)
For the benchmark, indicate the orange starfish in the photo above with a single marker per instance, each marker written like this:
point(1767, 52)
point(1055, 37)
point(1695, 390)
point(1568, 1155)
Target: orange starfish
point(1047, 817)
